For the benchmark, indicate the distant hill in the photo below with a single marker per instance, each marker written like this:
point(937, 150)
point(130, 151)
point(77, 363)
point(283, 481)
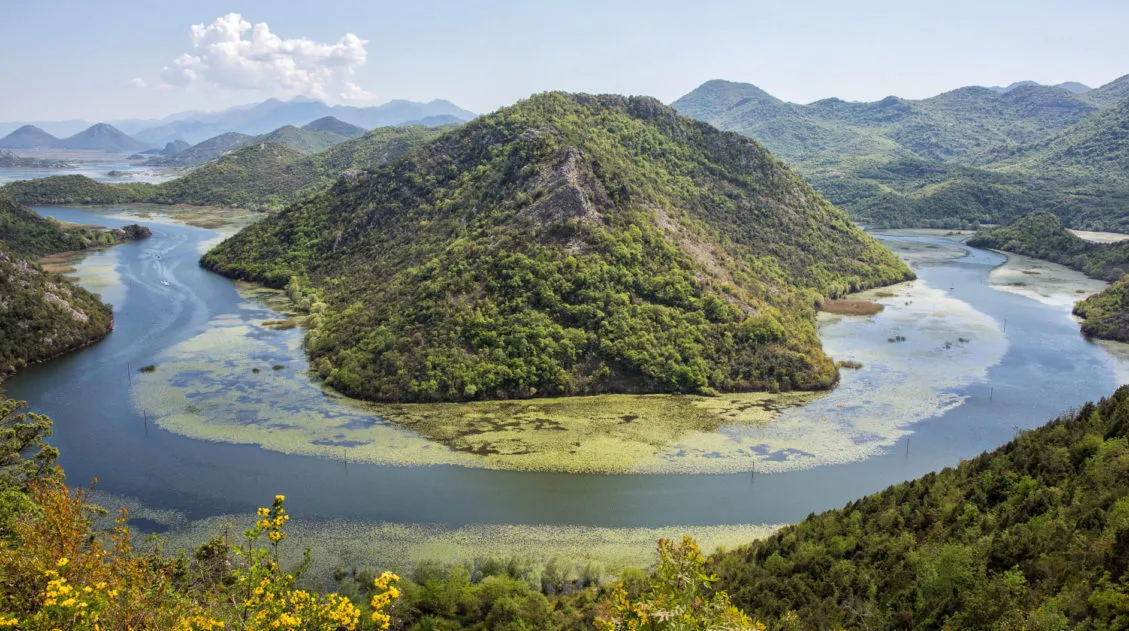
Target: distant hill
point(332, 125)
point(174, 147)
point(29, 137)
point(1073, 87)
point(257, 176)
point(1096, 147)
point(1111, 93)
point(1029, 536)
point(206, 151)
point(568, 244)
point(947, 161)
point(102, 137)
point(271, 114)
point(302, 140)
point(955, 124)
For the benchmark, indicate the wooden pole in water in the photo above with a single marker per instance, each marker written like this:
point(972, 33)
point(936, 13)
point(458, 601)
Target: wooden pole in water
point(145, 419)
point(907, 446)
point(992, 394)
point(129, 374)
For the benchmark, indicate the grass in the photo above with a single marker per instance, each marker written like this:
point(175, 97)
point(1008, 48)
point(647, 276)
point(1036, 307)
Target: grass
point(148, 368)
point(849, 363)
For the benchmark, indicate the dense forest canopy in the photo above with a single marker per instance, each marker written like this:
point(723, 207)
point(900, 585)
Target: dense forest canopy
point(1034, 535)
point(568, 244)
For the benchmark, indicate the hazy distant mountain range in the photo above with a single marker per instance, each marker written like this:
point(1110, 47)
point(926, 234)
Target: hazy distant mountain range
point(195, 127)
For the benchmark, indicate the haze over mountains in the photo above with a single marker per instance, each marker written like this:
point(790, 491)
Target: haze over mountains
point(254, 119)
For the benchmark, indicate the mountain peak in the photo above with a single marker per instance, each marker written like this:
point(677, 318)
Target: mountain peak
point(28, 137)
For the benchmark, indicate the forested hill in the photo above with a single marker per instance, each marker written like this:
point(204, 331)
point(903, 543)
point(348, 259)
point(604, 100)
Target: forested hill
point(567, 244)
point(41, 314)
point(1034, 535)
point(1041, 235)
point(25, 234)
point(959, 159)
point(259, 176)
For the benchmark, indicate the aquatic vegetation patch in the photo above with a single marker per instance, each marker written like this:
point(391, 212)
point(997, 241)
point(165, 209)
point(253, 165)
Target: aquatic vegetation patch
point(355, 544)
point(1046, 282)
point(874, 406)
point(851, 307)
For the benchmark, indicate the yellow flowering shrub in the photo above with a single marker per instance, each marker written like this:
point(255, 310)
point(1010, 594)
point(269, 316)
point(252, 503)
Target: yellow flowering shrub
point(56, 574)
point(681, 597)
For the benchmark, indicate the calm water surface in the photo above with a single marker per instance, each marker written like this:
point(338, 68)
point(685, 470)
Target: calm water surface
point(1048, 368)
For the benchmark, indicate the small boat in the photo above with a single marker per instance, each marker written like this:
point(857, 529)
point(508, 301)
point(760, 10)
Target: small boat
point(165, 283)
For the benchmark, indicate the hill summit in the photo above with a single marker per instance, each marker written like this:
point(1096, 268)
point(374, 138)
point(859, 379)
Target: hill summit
point(29, 137)
point(569, 244)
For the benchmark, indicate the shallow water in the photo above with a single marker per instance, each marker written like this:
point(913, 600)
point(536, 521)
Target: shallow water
point(94, 165)
point(915, 406)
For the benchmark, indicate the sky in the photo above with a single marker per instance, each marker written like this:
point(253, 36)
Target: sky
point(116, 59)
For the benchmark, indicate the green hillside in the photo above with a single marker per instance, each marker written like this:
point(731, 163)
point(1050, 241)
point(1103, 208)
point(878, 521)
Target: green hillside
point(1034, 535)
point(252, 177)
point(568, 244)
point(962, 158)
point(1042, 236)
point(25, 234)
point(203, 152)
point(303, 140)
point(1106, 313)
point(43, 315)
point(259, 176)
point(336, 126)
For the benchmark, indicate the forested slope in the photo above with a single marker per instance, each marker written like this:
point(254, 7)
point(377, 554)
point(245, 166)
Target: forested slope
point(568, 244)
point(1034, 535)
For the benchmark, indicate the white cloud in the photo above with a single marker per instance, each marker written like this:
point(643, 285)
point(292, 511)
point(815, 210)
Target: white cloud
point(138, 82)
point(354, 92)
point(222, 57)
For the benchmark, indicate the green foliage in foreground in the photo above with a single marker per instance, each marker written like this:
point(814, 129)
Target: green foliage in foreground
point(25, 234)
point(569, 244)
point(260, 176)
point(1034, 535)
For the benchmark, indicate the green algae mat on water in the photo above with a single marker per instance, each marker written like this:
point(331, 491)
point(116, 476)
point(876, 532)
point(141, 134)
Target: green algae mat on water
point(244, 381)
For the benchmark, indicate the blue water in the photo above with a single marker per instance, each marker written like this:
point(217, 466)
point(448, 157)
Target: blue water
point(1048, 368)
